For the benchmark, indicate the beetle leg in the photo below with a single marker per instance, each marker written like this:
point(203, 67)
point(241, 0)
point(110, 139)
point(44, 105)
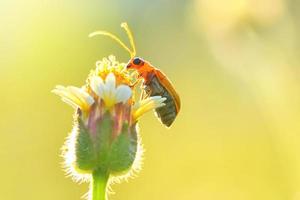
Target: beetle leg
point(144, 95)
point(137, 82)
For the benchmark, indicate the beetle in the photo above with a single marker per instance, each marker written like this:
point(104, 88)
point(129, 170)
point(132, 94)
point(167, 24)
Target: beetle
point(155, 82)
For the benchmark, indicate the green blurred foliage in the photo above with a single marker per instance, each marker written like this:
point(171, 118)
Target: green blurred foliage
point(234, 63)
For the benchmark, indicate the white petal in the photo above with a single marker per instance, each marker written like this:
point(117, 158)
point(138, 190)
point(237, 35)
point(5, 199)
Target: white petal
point(78, 93)
point(97, 85)
point(147, 105)
point(76, 97)
point(110, 82)
point(123, 93)
point(87, 97)
point(140, 103)
point(70, 102)
point(110, 89)
point(84, 97)
point(67, 96)
point(145, 102)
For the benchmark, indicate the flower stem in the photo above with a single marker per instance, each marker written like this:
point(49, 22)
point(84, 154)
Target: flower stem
point(99, 183)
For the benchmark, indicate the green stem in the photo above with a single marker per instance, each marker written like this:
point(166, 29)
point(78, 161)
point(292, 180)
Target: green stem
point(100, 179)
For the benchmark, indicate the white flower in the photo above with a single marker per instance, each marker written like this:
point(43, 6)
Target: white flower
point(112, 95)
point(108, 91)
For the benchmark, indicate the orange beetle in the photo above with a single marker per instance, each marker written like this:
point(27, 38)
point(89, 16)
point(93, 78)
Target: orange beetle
point(155, 83)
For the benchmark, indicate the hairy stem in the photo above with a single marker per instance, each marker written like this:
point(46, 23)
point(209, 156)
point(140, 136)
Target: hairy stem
point(99, 183)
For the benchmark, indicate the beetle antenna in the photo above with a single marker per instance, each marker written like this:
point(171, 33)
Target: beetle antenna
point(112, 36)
point(130, 36)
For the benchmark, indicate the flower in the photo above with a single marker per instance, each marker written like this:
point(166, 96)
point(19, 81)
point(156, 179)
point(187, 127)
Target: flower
point(105, 143)
point(108, 91)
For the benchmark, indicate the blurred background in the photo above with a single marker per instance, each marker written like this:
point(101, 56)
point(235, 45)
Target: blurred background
point(235, 64)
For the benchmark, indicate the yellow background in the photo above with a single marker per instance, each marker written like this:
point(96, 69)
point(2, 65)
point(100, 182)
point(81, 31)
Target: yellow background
point(235, 64)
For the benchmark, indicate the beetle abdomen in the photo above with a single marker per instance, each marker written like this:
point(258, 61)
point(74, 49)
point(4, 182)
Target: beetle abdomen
point(167, 113)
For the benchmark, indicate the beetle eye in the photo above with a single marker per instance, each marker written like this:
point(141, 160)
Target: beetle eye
point(137, 61)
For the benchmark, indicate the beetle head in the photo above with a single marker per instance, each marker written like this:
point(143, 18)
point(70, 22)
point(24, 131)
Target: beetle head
point(135, 63)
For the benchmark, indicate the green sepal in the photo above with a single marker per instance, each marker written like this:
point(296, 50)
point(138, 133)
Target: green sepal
point(103, 141)
point(85, 151)
point(123, 150)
